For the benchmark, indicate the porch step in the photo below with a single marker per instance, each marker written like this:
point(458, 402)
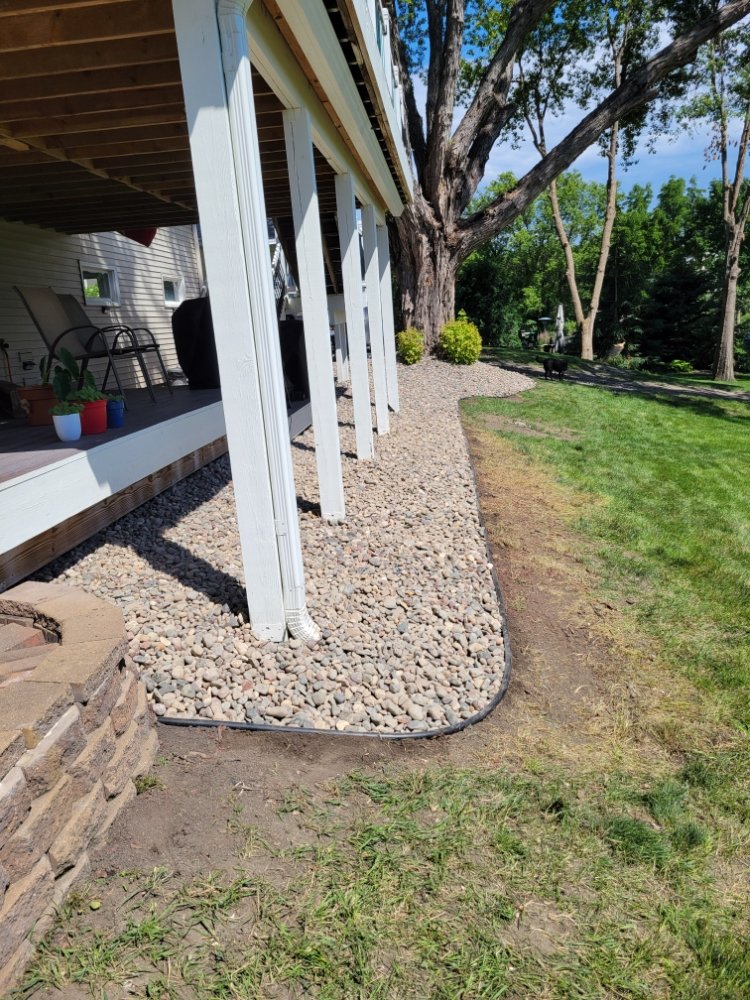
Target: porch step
point(14, 636)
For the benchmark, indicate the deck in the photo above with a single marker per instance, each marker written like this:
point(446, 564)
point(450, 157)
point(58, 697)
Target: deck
point(54, 495)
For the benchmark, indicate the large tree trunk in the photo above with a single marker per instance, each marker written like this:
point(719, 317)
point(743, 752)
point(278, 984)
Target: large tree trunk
point(723, 370)
point(426, 266)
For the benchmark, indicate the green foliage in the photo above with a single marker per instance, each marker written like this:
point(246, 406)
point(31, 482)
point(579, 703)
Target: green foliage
point(460, 341)
point(681, 367)
point(410, 346)
point(65, 408)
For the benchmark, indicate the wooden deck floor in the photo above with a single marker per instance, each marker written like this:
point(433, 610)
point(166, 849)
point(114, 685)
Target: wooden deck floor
point(24, 449)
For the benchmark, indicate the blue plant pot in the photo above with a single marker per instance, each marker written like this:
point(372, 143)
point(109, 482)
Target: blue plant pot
point(115, 413)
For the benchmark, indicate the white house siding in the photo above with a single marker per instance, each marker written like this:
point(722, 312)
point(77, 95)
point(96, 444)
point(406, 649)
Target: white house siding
point(33, 256)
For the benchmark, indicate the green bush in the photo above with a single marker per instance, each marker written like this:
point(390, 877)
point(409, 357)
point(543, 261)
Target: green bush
point(682, 367)
point(460, 341)
point(409, 346)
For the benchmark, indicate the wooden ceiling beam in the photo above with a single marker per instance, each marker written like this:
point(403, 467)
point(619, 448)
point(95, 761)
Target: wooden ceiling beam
point(74, 25)
point(89, 57)
point(10, 8)
point(133, 148)
point(90, 83)
point(96, 125)
point(23, 109)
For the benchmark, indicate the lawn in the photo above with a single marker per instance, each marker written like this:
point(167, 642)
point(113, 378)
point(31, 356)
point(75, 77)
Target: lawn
point(592, 849)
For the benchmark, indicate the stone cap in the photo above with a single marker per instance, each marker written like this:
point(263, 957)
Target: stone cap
point(84, 638)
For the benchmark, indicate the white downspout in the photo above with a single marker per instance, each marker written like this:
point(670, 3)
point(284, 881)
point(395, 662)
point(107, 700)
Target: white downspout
point(232, 21)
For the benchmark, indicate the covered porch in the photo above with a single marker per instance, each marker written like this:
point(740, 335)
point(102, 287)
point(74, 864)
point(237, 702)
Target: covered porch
point(121, 115)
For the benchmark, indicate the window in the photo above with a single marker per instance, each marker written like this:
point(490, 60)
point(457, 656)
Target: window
point(174, 291)
point(100, 286)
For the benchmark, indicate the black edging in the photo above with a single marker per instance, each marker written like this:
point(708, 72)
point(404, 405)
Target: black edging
point(429, 734)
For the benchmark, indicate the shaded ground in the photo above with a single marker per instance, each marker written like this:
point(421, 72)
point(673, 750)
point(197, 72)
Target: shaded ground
point(605, 376)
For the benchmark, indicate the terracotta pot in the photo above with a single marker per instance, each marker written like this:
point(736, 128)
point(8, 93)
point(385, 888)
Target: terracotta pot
point(94, 417)
point(37, 401)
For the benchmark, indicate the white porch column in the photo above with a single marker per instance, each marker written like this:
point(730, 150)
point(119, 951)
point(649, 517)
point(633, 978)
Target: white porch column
point(374, 316)
point(337, 319)
point(389, 327)
point(215, 67)
point(216, 189)
point(351, 269)
point(312, 287)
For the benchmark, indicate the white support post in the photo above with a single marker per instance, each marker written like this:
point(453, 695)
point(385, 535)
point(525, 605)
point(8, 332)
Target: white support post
point(235, 51)
point(339, 342)
point(374, 316)
point(351, 269)
point(389, 327)
point(312, 287)
point(233, 319)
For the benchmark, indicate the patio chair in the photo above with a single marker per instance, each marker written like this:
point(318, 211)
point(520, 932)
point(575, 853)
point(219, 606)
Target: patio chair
point(128, 341)
point(85, 341)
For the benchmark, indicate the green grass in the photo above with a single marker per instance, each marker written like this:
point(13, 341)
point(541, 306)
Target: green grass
point(669, 514)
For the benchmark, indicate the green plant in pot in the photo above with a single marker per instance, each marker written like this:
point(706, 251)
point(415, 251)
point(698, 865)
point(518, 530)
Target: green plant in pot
point(36, 400)
point(93, 402)
point(66, 416)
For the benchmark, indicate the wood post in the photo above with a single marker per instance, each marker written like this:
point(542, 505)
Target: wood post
point(375, 317)
point(351, 268)
point(389, 327)
point(312, 286)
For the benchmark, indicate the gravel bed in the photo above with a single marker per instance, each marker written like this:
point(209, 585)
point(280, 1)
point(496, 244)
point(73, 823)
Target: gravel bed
point(403, 592)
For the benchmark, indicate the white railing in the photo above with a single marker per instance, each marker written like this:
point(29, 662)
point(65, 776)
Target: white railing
point(381, 24)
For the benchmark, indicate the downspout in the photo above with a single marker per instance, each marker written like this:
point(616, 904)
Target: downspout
point(232, 19)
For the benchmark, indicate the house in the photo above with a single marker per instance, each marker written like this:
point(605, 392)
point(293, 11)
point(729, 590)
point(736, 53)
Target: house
point(118, 115)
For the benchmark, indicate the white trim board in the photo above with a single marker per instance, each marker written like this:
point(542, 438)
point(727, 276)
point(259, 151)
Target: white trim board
point(38, 500)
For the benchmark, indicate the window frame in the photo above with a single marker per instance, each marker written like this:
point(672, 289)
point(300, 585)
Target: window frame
point(114, 284)
point(179, 285)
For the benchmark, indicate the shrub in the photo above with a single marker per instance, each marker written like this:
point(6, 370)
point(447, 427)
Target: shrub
point(460, 341)
point(682, 367)
point(409, 346)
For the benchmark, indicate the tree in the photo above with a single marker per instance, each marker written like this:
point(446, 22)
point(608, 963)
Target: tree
point(724, 96)
point(563, 62)
point(435, 233)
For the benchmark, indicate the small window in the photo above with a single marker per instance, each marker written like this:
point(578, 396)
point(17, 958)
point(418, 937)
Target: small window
point(174, 291)
point(100, 286)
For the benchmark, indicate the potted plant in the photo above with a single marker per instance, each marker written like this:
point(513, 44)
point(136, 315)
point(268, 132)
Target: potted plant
point(115, 411)
point(66, 417)
point(94, 413)
point(36, 400)
point(93, 403)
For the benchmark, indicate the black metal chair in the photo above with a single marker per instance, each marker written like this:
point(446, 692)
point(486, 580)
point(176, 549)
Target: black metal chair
point(64, 324)
point(128, 341)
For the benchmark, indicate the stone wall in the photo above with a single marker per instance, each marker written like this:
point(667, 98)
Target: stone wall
point(75, 731)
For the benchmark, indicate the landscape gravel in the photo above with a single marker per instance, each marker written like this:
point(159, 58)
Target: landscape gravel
point(402, 590)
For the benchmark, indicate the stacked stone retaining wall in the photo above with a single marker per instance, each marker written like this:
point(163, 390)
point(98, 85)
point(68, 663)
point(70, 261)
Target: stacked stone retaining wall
point(75, 731)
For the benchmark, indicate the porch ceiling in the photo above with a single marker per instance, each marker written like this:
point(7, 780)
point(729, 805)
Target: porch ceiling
point(93, 135)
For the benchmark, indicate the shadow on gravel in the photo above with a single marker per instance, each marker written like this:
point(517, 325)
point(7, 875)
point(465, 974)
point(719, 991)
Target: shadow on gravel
point(165, 511)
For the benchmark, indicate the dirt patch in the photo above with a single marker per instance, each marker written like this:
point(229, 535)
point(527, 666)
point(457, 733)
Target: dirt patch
point(541, 929)
point(496, 422)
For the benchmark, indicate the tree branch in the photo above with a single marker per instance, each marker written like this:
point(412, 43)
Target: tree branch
point(442, 92)
point(637, 89)
point(494, 86)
